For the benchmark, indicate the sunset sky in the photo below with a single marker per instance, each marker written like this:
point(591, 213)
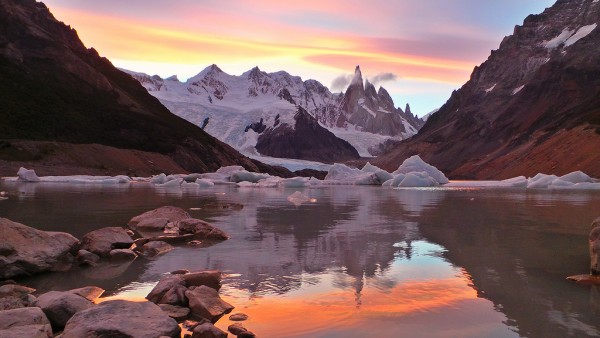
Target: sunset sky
point(424, 49)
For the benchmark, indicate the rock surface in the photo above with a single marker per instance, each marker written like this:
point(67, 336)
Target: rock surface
point(13, 296)
point(178, 313)
point(163, 214)
point(238, 317)
point(59, 306)
point(208, 330)
point(102, 241)
point(25, 250)
point(120, 318)
point(201, 229)
point(122, 255)
point(155, 248)
point(163, 287)
point(85, 257)
point(210, 278)
point(206, 303)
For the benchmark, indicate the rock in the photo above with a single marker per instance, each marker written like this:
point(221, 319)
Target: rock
point(27, 175)
point(246, 334)
point(26, 251)
point(24, 322)
point(178, 313)
point(152, 224)
point(208, 330)
point(180, 272)
point(206, 303)
point(201, 229)
point(195, 243)
point(91, 293)
point(236, 328)
point(13, 296)
point(585, 279)
point(155, 248)
point(238, 317)
point(175, 296)
point(59, 306)
point(121, 318)
point(122, 255)
point(102, 241)
point(596, 223)
point(85, 257)
point(170, 213)
point(164, 286)
point(191, 324)
point(210, 278)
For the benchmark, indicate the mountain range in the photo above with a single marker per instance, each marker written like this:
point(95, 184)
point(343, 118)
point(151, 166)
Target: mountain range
point(58, 95)
point(533, 106)
point(257, 113)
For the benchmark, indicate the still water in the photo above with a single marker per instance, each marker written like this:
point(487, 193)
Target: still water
point(357, 262)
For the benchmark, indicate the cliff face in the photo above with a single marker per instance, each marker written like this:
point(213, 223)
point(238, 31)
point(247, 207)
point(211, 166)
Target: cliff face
point(55, 89)
point(533, 106)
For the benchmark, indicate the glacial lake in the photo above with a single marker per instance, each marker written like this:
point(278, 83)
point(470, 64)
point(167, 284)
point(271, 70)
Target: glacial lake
point(358, 261)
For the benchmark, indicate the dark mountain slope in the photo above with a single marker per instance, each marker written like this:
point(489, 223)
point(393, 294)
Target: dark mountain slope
point(533, 106)
point(53, 88)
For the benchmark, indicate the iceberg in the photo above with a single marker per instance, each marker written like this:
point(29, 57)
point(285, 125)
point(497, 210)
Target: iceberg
point(416, 164)
point(27, 175)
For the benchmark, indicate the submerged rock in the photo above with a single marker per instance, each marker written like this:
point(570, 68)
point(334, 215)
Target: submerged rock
point(155, 248)
point(102, 241)
point(121, 318)
point(236, 328)
point(25, 250)
point(30, 322)
point(170, 213)
point(206, 303)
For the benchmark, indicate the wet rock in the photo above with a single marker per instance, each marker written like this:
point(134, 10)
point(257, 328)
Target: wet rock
point(170, 213)
point(13, 296)
point(178, 313)
point(208, 330)
point(152, 224)
point(236, 328)
point(175, 296)
point(30, 322)
point(585, 279)
point(206, 303)
point(210, 278)
point(238, 317)
point(26, 251)
point(59, 306)
point(85, 257)
point(246, 334)
point(180, 272)
point(165, 285)
point(122, 255)
point(201, 230)
point(156, 248)
point(121, 318)
point(102, 241)
point(91, 293)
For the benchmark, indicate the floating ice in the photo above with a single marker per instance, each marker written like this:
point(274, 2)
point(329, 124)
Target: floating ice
point(416, 164)
point(27, 175)
point(295, 182)
point(159, 179)
point(173, 183)
point(418, 179)
point(204, 183)
point(299, 198)
point(241, 176)
point(369, 168)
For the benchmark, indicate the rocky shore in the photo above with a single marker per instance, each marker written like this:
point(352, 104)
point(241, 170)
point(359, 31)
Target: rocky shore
point(181, 299)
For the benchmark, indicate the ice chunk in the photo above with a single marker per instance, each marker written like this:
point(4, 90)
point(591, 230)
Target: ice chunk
point(560, 184)
point(191, 185)
point(576, 177)
point(416, 164)
point(587, 186)
point(341, 172)
point(204, 183)
point(369, 168)
point(246, 184)
point(241, 176)
point(230, 170)
point(517, 182)
point(173, 183)
point(27, 175)
point(383, 176)
point(299, 198)
point(158, 179)
point(540, 181)
point(369, 179)
point(418, 179)
point(295, 182)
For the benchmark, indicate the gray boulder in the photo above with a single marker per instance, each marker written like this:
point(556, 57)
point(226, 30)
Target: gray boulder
point(206, 303)
point(102, 241)
point(121, 318)
point(208, 330)
point(24, 322)
point(60, 306)
point(170, 213)
point(26, 251)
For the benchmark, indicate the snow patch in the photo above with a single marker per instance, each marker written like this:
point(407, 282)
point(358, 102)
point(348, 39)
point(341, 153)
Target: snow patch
point(580, 34)
point(560, 39)
point(518, 89)
point(491, 88)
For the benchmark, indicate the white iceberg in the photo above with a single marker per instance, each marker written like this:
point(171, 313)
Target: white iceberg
point(416, 164)
point(294, 182)
point(204, 183)
point(299, 198)
point(418, 180)
point(27, 175)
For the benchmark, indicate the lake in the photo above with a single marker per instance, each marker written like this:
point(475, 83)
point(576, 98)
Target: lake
point(357, 262)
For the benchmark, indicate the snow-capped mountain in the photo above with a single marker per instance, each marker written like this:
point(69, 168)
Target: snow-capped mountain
point(240, 109)
point(533, 106)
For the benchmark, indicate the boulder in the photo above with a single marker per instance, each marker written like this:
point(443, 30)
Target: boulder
point(236, 328)
point(91, 293)
point(201, 229)
point(85, 257)
point(238, 317)
point(26, 251)
point(163, 287)
point(24, 322)
point(102, 241)
point(155, 248)
point(170, 213)
point(122, 255)
point(13, 296)
point(246, 334)
point(121, 318)
point(596, 223)
point(178, 313)
point(210, 278)
point(206, 303)
point(208, 330)
point(60, 306)
point(152, 224)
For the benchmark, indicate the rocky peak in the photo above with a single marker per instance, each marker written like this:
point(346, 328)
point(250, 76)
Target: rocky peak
point(407, 109)
point(385, 100)
point(357, 80)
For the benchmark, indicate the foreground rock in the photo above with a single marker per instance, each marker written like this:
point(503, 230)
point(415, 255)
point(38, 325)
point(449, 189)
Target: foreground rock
point(102, 241)
point(59, 307)
point(206, 303)
point(120, 318)
point(201, 230)
point(158, 218)
point(30, 322)
point(208, 330)
point(155, 248)
point(13, 296)
point(179, 313)
point(26, 251)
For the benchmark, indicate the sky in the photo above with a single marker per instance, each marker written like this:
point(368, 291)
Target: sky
point(420, 51)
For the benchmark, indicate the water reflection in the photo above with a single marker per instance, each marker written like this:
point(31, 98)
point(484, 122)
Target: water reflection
point(361, 261)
